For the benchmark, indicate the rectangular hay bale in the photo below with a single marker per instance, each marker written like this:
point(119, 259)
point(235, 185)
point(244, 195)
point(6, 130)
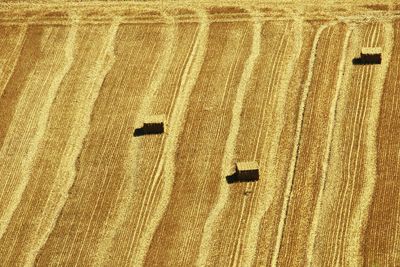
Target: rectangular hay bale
point(371, 55)
point(154, 124)
point(247, 170)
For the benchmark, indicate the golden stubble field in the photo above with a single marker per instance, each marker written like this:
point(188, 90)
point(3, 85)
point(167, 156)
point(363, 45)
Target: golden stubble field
point(272, 83)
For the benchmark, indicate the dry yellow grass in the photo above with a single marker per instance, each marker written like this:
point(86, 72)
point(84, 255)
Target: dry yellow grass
point(265, 81)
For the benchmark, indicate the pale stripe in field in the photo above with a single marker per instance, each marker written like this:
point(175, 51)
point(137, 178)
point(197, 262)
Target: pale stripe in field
point(168, 50)
point(73, 231)
point(7, 71)
point(227, 62)
point(335, 142)
point(334, 162)
point(142, 232)
point(25, 162)
point(156, 173)
point(290, 175)
point(267, 101)
point(272, 84)
point(351, 170)
point(104, 65)
point(357, 222)
point(334, 179)
point(90, 226)
point(266, 196)
point(66, 172)
point(327, 153)
point(231, 60)
point(99, 202)
point(205, 244)
point(167, 161)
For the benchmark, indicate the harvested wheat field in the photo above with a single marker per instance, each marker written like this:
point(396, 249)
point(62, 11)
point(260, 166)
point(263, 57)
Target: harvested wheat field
point(121, 125)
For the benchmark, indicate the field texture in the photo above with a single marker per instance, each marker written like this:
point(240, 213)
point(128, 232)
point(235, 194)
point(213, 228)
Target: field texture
point(267, 82)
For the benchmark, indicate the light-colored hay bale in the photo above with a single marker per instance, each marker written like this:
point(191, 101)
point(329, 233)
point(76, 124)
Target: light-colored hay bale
point(371, 51)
